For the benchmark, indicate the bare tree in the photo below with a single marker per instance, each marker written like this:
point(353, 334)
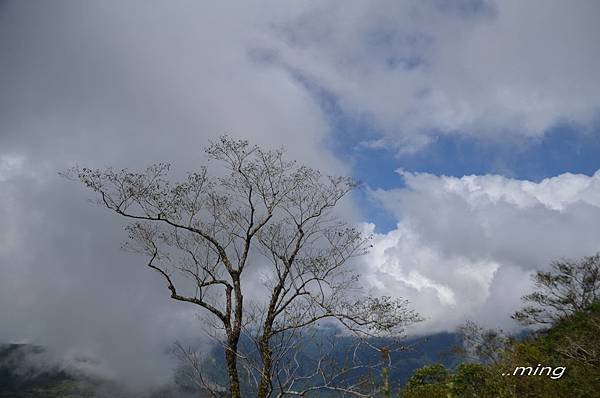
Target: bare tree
point(211, 237)
point(569, 286)
point(584, 347)
point(482, 345)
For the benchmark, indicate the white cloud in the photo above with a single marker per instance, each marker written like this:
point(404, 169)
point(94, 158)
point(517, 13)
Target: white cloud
point(122, 84)
point(464, 248)
point(490, 69)
point(135, 82)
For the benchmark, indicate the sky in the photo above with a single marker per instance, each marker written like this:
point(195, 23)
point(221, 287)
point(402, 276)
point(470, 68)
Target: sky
point(474, 126)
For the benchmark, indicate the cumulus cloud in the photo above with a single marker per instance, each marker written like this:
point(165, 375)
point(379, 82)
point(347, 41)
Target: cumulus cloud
point(415, 69)
point(464, 248)
point(123, 84)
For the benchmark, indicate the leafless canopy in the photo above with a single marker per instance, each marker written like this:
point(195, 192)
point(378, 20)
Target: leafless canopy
point(483, 345)
point(208, 236)
point(569, 286)
point(585, 348)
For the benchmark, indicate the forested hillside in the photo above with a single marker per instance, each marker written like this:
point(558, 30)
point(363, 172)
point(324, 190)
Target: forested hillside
point(572, 343)
point(18, 382)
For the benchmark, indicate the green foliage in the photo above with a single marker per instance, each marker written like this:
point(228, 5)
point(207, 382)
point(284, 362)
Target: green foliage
point(466, 381)
point(474, 380)
point(429, 381)
point(572, 342)
point(51, 389)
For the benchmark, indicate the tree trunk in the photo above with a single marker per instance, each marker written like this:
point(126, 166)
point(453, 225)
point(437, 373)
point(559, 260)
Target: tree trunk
point(231, 359)
point(264, 388)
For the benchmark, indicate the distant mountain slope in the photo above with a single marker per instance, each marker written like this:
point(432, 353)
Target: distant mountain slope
point(420, 351)
point(22, 375)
